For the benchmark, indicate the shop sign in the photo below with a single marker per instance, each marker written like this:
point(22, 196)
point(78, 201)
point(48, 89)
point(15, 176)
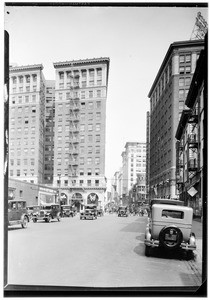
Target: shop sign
point(63, 197)
point(92, 197)
point(192, 191)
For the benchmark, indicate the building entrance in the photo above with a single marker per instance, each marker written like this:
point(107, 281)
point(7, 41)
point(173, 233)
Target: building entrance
point(77, 201)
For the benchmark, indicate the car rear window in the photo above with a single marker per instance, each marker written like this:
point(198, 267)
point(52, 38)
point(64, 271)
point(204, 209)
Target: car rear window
point(172, 214)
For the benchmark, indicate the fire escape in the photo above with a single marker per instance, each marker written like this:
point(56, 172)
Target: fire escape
point(74, 118)
point(193, 145)
point(180, 167)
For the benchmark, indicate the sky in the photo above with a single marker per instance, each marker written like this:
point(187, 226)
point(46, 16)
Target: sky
point(135, 39)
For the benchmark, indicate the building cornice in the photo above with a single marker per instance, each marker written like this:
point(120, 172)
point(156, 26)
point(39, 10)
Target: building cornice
point(26, 68)
point(81, 62)
point(172, 47)
point(197, 80)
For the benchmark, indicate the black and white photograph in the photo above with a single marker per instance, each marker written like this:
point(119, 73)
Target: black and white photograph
point(105, 149)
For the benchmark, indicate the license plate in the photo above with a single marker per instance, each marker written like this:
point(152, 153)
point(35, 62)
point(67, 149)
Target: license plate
point(170, 237)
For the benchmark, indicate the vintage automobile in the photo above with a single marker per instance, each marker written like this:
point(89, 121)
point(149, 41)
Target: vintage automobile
point(89, 212)
point(32, 210)
point(47, 213)
point(67, 211)
point(123, 211)
point(100, 212)
point(169, 227)
point(17, 213)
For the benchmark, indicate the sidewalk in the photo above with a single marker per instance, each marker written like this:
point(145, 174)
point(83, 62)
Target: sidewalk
point(197, 229)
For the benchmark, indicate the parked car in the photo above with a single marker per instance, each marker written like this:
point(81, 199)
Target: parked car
point(47, 213)
point(170, 227)
point(123, 211)
point(100, 212)
point(67, 211)
point(17, 213)
point(89, 212)
point(32, 210)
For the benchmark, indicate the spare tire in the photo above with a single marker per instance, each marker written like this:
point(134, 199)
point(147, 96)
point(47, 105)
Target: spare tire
point(170, 237)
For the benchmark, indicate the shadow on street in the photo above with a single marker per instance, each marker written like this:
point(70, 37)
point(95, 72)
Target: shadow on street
point(162, 253)
point(135, 226)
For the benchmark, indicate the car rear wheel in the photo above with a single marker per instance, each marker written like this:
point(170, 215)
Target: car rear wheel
point(49, 219)
point(170, 237)
point(25, 222)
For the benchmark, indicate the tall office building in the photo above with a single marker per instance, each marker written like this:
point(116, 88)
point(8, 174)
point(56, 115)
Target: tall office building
point(167, 96)
point(134, 164)
point(79, 135)
point(26, 123)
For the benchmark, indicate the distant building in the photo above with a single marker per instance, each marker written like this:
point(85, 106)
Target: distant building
point(190, 166)
point(26, 123)
point(167, 101)
point(116, 188)
point(134, 163)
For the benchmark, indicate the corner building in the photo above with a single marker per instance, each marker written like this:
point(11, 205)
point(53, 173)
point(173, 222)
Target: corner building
point(167, 96)
point(79, 131)
point(26, 123)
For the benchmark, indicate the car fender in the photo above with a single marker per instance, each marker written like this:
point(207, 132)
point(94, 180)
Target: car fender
point(148, 235)
point(23, 216)
point(192, 240)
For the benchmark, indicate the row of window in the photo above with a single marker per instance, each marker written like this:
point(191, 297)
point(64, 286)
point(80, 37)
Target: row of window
point(20, 120)
point(83, 84)
point(26, 89)
point(81, 172)
point(89, 160)
point(23, 130)
point(24, 99)
point(90, 116)
point(20, 79)
point(24, 162)
point(90, 138)
point(26, 109)
point(83, 94)
point(18, 142)
point(25, 151)
point(80, 182)
point(18, 173)
point(90, 72)
point(83, 105)
point(81, 161)
point(89, 127)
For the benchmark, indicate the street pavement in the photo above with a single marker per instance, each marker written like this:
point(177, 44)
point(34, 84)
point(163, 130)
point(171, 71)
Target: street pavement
point(107, 252)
